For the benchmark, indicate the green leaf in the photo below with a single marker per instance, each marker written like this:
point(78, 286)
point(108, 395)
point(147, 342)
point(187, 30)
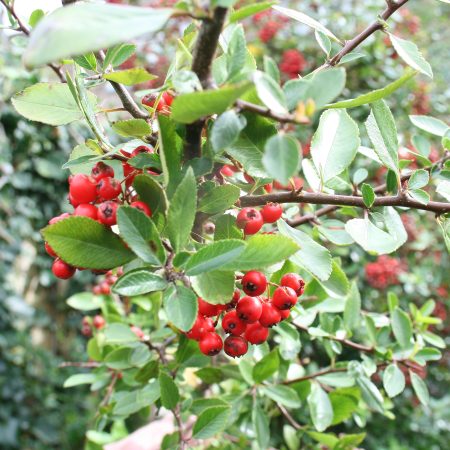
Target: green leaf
point(443, 188)
point(410, 53)
point(270, 92)
point(226, 129)
point(85, 301)
point(418, 179)
point(217, 286)
point(261, 426)
point(211, 421)
point(86, 27)
point(249, 10)
point(83, 242)
point(129, 77)
point(368, 194)
point(226, 228)
point(150, 192)
point(214, 255)
point(344, 403)
point(132, 128)
point(263, 250)
point(382, 132)
point(337, 285)
point(373, 96)
point(138, 282)
point(271, 68)
point(282, 395)
point(334, 231)
point(393, 380)
point(420, 388)
point(181, 214)
point(50, 103)
point(420, 195)
point(266, 367)
point(334, 144)
point(303, 18)
point(35, 17)
point(87, 61)
point(430, 125)
point(219, 199)
point(324, 42)
point(324, 86)
point(141, 235)
point(352, 311)
point(433, 339)
point(402, 327)
point(169, 391)
point(311, 256)
point(181, 306)
point(320, 408)
point(119, 333)
point(281, 157)
point(370, 393)
point(118, 54)
point(188, 108)
point(80, 378)
point(129, 402)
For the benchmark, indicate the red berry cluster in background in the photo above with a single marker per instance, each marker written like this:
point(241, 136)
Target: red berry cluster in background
point(103, 287)
point(383, 272)
point(246, 319)
point(292, 63)
point(269, 24)
point(251, 220)
point(98, 196)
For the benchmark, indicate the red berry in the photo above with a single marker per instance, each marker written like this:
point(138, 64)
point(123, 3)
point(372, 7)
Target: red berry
point(270, 315)
point(108, 188)
point(141, 149)
point(86, 331)
point(86, 210)
point(98, 322)
point(268, 187)
point(127, 169)
point(235, 346)
point(207, 309)
point(284, 313)
point(248, 178)
point(73, 202)
point(142, 207)
point(137, 331)
point(154, 101)
point(201, 326)
point(82, 189)
point(256, 333)
point(271, 212)
point(105, 288)
point(249, 309)
point(284, 297)
point(168, 98)
point(49, 250)
point(228, 170)
point(254, 283)
point(101, 170)
point(232, 324)
point(97, 290)
point(293, 281)
point(107, 213)
point(250, 220)
point(58, 218)
point(210, 344)
point(62, 270)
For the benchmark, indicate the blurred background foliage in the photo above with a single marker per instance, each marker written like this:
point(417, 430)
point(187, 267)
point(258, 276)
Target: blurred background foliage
point(38, 331)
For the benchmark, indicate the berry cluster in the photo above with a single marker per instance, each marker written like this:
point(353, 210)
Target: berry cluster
point(246, 319)
point(103, 287)
point(251, 220)
point(269, 24)
point(292, 63)
point(383, 272)
point(98, 196)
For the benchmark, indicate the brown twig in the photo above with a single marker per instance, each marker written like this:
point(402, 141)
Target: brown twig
point(88, 365)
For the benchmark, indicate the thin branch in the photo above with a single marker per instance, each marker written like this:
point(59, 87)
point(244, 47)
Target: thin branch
point(87, 365)
point(289, 418)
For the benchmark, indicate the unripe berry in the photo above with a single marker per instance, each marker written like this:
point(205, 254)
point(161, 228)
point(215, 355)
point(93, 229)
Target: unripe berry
point(254, 283)
point(271, 212)
point(201, 326)
point(249, 220)
point(284, 298)
point(232, 324)
point(210, 344)
point(101, 170)
point(82, 189)
point(108, 188)
point(293, 281)
point(207, 309)
point(235, 346)
point(49, 250)
point(256, 334)
point(107, 212)
point(137, 331)
point(270, 315)
point(142, 207)
point(86, 210)
point(98, 322)
point(62, 270)
point(249, 309)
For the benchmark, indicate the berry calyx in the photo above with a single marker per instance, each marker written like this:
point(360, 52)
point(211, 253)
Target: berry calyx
point(232, 324)
point(86, 210)
point(250, 220)
point(256, 334)
point(270, 315)
point(142, 207)
point(62, 270)
point(108, 188)
point(271, 212)
point(284, 298)
point(235, 346)
point(210, 344)
point(101, 170)
point(293, 281)
point(98, 321)
point(107, 213)
point(254, 283)
point(249, 309)
point(82, 189)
